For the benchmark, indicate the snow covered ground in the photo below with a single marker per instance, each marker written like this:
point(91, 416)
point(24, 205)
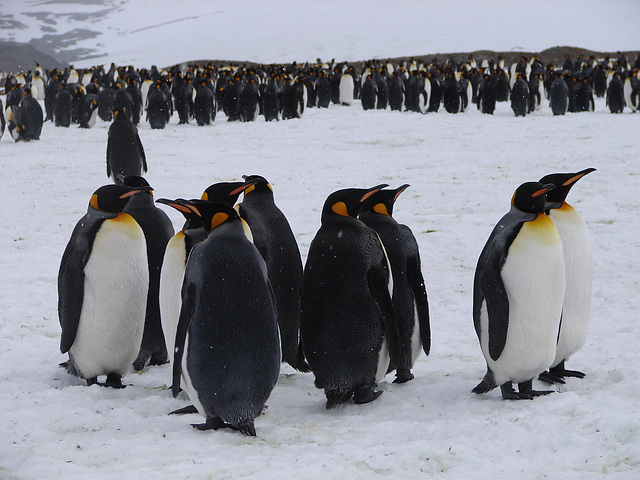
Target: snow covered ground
point(462, 170)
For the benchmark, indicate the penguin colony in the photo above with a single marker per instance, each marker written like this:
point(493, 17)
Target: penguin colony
point(281, 92)
point(227, 299)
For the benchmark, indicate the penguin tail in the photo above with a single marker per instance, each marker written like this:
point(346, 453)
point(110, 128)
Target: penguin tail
point(70, 368)
point(301, 364)
point(246, 427)
point(487, 384)
point(337, 396)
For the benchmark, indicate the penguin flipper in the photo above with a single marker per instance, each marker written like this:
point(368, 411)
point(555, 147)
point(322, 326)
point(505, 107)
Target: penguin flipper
point(186, 313)
point(416, 282)
point(142, 155)
point(497, 303)
point(71, 282)
point(380, 293)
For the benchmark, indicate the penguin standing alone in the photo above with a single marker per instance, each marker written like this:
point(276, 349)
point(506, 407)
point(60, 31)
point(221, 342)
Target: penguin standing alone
point(276, 242)
point(227, 343)
point(102, 289)
point(577, 260)
point(125, 153)
point(518, 291)
point(347, 322)
point(410, 304)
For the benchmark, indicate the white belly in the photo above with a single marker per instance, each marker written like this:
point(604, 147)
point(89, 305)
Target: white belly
point(114, 303)
point(416, 340)
point(577, 298)
point(171, 279)
point(534, 279)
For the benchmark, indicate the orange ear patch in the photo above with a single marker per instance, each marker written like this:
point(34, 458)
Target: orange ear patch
point(218, 219)
point(380, 208)
point(341, 209)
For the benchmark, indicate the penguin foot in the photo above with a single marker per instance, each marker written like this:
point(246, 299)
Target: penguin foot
point(550, 377)
point(403, 375)
point(246, 427)
point(158, 360)
point(574, 374)
point(366, 395)
point(215, 423)
point(114, 381)
point(184, 410)
point(91, 381)
point(526, 388)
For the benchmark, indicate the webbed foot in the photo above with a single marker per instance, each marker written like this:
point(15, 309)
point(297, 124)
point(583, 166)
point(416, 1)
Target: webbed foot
point(366, 395)
point(184, 410)
point(403, 375)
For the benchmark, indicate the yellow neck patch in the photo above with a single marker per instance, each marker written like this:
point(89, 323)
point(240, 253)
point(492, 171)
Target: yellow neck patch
point(94, 201)
point(340, 208)
point(218, 219)
point(380, 208)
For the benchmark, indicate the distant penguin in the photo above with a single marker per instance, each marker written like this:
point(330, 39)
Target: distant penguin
point(382, 91)
point(584, 96)
point(292, 99)
point(409, 296)
point(396, 91)
point(347, 324)
point(487, 94)
point(599, 76)
point(102, 289)
point(158, 230)
point(451, 93)
point(2, 120)
point(536, 90)
point(559, 96)
point(518, 292)
point(227, 344)
point(123, 101)
point(277, 244)
point(125, 153)
point(133, 89)
point(503, 88)
point(520, 97)
point(323, 91)
point(249, 102)
point(62, 107)
point(183, 97)
point(577, 261)
point(615, 94)
point(204, 108)
point(632, 91)
point(106, 97)
point(271, 101)
point(30, 118)
point(158, 111)
point(88, 111)
point(346, 89)
point(369, 93)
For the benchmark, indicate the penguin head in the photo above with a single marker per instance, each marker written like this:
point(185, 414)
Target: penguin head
point(120, 110)
point(258, 184)
point(227, 192)
point(530, 197)
point(135, 181)
point(113, 198)
point(382, 201)
point(189, 210)
point(214, 214)
point(347, 202)
point(563, 183)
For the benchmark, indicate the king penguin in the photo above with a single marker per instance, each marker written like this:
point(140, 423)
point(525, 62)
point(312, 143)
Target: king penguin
point(158, 230)
point(410, 304)
point(178, 250)
point(102, 289)
point(518, 292)
point(227, 344)
point(577, 260)
point(125, 153)
point(348, 328)
point(273, 237)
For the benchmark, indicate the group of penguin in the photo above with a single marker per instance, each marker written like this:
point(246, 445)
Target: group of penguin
point(227, 298)
point(243, 93)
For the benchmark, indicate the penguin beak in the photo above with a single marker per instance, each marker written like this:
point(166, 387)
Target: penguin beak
point(578, 176)
point(373, 190)
point(542, 191)
point(135, 191)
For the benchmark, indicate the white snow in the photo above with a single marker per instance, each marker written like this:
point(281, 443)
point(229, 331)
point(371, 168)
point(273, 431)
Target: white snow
point(462, 170)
